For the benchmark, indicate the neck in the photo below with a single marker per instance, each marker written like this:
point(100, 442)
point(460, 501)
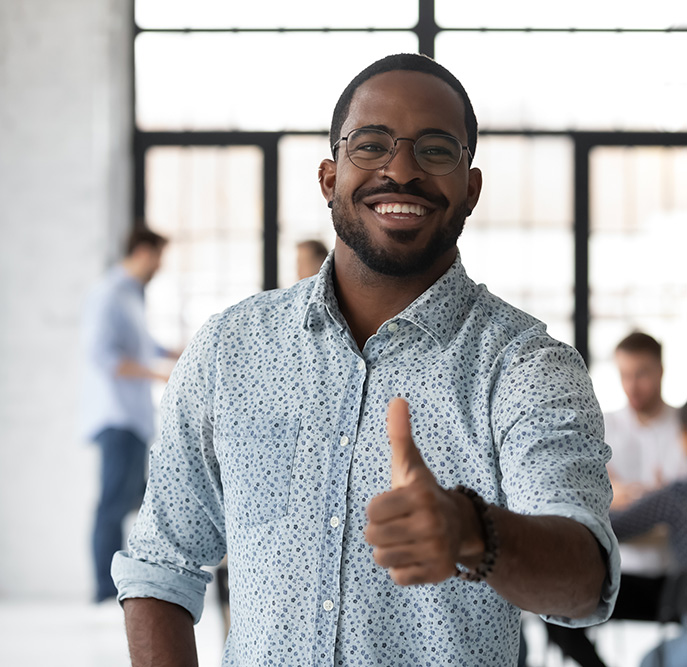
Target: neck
point(648, 414)
point(132, 268)
point(368, 299)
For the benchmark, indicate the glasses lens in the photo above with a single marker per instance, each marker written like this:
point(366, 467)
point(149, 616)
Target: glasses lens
point(369, 149)
point(438, 154)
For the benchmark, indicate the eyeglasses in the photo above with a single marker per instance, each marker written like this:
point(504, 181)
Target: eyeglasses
point(436, 154)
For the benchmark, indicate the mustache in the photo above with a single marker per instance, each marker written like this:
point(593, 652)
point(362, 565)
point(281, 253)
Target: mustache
point(394, 188)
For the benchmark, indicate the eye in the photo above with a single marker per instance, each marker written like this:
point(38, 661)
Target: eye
point(370, 147)
point(430, 151)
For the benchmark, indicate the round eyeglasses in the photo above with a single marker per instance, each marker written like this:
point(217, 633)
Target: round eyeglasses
point(436, 154)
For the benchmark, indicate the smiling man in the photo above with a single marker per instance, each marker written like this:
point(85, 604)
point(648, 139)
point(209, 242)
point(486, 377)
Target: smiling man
point(395, 461)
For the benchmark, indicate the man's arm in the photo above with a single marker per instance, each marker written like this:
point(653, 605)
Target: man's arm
point(132, 369)
point(160, 634)
point(546, 564)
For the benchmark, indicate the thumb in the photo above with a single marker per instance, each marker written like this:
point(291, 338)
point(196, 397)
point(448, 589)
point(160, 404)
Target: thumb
point(406, 460)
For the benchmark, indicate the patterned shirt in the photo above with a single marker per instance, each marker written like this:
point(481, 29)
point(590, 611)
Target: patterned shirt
point(274, 442)
point(115, 329)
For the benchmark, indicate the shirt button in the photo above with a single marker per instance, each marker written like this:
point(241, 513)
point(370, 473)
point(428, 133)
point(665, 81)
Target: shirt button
point(344, 441)
point(361, 365)
point(328, 605)
point(393, 326)
point(334, 521)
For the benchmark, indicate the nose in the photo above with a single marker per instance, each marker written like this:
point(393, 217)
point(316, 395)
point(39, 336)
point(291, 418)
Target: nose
point(403, 167)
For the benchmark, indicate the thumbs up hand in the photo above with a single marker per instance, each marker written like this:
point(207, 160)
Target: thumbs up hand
point(417, 529)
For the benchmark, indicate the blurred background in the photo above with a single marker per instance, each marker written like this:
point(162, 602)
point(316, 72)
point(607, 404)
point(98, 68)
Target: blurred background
point(209, 120)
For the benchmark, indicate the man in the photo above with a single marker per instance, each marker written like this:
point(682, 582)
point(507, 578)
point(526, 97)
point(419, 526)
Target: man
point(309, 257)
point(346, 524)
point(645, 434)
point(646, 440)
point(117, 408)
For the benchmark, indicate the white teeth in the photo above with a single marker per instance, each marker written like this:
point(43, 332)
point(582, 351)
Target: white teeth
point(397, 207)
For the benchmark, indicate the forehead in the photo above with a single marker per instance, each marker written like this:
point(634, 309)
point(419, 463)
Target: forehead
point(407, 103)
point(635, 360)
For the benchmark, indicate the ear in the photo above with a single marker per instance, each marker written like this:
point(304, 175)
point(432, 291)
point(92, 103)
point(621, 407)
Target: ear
point(327, 178)
point(474, 187)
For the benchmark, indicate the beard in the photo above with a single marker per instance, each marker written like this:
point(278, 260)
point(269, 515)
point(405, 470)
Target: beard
point(399, 265)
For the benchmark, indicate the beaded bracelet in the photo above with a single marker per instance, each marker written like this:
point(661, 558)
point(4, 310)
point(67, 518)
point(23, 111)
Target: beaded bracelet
point(491, 537)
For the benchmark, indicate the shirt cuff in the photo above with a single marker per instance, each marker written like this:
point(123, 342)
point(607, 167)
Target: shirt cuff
point(609, 543)
point(143, 579)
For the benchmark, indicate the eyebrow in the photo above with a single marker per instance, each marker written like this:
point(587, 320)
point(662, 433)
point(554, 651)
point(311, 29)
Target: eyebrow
point(426, 130)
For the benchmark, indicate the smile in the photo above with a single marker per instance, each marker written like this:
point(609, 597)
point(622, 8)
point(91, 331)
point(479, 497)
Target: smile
point(398, 207)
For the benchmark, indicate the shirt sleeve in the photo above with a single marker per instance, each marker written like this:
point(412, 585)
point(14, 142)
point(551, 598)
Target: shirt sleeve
point(549, 428)
point(180, 528)
point(104, 333)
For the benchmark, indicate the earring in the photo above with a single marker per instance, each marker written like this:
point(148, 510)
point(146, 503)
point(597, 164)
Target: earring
point(330, 204)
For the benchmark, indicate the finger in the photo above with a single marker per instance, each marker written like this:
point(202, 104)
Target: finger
point(409, 529)
point(405, 457)
point(424, 573)
point(400, 502)
point(412, 553)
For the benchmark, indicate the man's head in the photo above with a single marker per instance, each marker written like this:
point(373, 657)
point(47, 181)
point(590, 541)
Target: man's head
point(396, 218)
point(408, 62)
point(309, 257)
point(638, 357)
point(144, 254)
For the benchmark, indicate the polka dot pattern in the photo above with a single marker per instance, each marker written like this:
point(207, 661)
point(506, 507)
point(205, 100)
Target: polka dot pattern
point(274, 442)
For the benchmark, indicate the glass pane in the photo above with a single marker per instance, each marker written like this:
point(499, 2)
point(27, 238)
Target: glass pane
point(547, 14)
point(519, 239)
point(301, 14)
point(303, 212)
point(638, 274)
point(235, 82)
point(571, 81)
point(208, 200)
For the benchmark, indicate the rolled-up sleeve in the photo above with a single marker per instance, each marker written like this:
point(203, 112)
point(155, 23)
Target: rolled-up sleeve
point(180, 529)
point(553, 456)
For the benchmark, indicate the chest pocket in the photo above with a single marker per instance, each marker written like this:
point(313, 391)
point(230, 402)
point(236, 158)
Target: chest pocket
point(257, 466)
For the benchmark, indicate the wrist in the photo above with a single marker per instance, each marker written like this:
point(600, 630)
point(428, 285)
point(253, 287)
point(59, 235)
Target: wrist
point(480, 548)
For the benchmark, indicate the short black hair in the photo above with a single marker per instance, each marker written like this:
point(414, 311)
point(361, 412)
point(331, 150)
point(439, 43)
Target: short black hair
point(144, 237)
point(638, 341)
point(409, 62)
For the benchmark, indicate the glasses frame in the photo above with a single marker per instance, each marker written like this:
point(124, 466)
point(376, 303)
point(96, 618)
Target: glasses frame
point(393, 152)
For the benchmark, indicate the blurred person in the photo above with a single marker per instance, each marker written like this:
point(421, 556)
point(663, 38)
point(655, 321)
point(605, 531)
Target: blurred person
point(309, 257)
point(646, 443)
point(353, 536)
point(666, 599)
point(117, 407)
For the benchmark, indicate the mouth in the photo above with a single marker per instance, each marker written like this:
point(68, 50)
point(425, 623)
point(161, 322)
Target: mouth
point(405, 209)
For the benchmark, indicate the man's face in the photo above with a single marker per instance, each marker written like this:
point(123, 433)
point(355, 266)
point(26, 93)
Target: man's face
point(424, 233)
point(640, 375)
point(151, 259)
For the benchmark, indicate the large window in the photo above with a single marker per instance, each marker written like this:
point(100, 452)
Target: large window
point(638, 272)
point(233, 103)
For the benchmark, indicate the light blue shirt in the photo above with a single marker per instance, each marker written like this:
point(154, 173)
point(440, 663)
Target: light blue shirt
point(274, 442)
point(115, 329)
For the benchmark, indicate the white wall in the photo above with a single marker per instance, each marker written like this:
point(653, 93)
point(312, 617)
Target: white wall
point(65, 171)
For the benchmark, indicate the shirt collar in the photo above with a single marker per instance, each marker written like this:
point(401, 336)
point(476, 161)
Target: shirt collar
point(439, 311)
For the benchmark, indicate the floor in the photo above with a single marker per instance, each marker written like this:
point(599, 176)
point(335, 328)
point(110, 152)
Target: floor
point(73, 634)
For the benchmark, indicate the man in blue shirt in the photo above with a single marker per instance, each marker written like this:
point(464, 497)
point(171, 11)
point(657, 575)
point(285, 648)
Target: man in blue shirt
point(117, 407)
point(394, 460)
